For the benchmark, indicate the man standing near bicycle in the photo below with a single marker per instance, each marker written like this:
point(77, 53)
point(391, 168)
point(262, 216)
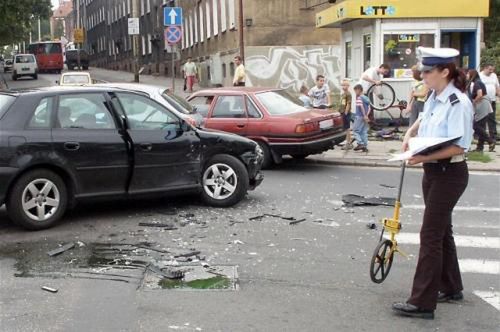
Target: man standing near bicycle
point(448, 113)
point(373, 76)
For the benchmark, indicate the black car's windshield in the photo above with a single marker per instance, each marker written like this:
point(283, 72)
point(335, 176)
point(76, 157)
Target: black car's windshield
point(280, 102)
point(177, 102)
point(5, 102)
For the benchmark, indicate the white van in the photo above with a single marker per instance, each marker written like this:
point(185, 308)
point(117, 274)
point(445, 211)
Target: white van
point(24, 65)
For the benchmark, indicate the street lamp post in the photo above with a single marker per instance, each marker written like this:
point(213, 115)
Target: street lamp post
point(241, 25)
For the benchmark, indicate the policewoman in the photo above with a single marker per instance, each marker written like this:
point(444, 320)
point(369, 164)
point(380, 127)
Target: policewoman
point(447, 112)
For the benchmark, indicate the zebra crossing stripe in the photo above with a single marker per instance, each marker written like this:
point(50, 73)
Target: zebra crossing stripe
point(492, 298)
point(486, 242)
point(479, 266)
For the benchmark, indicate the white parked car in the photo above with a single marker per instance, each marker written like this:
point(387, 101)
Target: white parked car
point(165, 97)
point(24, 65)
point(75, 78)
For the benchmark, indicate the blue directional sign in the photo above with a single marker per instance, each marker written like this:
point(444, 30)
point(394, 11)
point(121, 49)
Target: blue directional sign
point(172, 16)
point(173, 34)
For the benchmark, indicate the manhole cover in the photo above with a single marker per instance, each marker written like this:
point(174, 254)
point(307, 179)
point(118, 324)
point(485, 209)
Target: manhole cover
point(220, 277)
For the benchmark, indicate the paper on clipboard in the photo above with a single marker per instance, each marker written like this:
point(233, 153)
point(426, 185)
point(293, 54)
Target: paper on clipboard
point(423, 145)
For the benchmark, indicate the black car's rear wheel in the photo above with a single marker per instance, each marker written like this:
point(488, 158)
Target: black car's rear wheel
point(224, 181)
point(37, 200)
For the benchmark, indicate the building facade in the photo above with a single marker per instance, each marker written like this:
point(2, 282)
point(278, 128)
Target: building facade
point(64, 14)
point(282, 48)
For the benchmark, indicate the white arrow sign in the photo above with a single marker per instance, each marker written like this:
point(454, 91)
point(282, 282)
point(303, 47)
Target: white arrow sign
point(172, 15)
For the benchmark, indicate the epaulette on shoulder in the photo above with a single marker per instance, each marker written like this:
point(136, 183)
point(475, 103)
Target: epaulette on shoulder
point(453, 99)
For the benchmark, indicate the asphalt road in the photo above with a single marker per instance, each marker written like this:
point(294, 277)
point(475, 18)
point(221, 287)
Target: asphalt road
point(312, 276)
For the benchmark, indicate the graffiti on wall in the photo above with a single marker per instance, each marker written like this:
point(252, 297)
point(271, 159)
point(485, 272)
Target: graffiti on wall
point(292, 67)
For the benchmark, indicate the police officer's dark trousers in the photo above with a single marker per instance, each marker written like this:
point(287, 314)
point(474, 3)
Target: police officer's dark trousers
point(437, 267)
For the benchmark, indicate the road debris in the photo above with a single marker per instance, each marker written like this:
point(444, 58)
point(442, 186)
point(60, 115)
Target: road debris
point(168, 227)
point(295, 222)
point(61, 249)
point(371, 225)
point(50, 289)
point(188, 254)
point(387, 186)
point(351, 200)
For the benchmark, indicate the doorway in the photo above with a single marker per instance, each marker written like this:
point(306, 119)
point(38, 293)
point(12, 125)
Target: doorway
point(465, 43)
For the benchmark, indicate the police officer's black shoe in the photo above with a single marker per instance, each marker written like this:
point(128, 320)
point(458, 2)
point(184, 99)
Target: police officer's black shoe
point(447, 297)
point(410, 310)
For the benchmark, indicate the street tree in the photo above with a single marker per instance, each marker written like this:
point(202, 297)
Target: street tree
point(17, 16)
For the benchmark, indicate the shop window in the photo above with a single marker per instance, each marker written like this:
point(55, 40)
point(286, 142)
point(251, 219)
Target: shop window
point(348, 59)
point(367, 51)
point(399, 51)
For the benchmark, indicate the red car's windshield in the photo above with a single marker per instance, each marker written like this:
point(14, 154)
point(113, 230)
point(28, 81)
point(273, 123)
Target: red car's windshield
point(280, 102)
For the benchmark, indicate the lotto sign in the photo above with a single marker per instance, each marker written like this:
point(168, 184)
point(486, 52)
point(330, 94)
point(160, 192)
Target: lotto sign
point(173, 34)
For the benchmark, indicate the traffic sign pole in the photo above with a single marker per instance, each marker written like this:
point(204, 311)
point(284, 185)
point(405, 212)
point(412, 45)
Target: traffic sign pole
point(172, 20)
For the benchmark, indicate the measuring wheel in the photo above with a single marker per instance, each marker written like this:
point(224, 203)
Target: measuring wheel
point(381, 261)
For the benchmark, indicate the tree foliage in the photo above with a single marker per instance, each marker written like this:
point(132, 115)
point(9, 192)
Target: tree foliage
point(491, 54)
point(16, 17)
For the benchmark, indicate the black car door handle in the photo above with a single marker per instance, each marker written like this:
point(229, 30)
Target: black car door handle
point(146, 146)
point(72, 146)
point(241, 125)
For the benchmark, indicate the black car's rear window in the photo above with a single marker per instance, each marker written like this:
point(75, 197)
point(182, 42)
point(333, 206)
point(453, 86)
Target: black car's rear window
point(5, 102)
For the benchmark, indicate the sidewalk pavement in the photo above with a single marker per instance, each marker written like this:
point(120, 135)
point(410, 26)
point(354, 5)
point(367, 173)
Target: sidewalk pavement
point(378, 150)
point(126, 77)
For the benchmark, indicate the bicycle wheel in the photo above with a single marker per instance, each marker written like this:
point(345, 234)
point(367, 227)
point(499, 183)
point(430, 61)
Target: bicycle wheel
point(381, 261)
point(381, 96)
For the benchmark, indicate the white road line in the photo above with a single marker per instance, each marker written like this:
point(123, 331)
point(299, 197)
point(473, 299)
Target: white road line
point(338, 203)
point(479, 266)
point(492, 298)
point(458, 208)
point(460, 240)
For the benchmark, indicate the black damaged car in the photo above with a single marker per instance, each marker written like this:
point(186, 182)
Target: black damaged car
point(60, 145)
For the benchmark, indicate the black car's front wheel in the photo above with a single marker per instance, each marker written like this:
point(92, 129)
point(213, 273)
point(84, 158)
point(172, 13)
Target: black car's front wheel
point(224, 181)
point(37, 200)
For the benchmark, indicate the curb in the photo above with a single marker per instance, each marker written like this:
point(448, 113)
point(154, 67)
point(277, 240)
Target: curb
point(380, 163)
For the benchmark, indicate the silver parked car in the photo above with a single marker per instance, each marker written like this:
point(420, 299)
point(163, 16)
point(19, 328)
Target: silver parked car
point(165, 97)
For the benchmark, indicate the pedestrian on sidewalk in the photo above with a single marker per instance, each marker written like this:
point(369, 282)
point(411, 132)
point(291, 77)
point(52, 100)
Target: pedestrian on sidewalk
point(320, 94)
point(476, 90)
point(373, 76)
point(190, 73)
point(490, 79)
point(345, 110)
point(360, 126)
point(239, 73)
point(417, 98)
point(304, 98)
point(448, 112)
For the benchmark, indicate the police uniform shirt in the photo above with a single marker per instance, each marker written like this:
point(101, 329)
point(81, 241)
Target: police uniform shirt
point(448, 116)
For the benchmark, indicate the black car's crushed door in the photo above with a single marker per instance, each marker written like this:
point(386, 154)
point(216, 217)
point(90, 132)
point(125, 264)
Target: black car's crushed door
point(166, 152)
point(86, 136)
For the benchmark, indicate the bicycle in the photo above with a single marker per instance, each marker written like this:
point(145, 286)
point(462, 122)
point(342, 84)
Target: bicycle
point(383, 255)
point(382, 97)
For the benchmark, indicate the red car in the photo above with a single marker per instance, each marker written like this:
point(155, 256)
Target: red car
point(273, 118)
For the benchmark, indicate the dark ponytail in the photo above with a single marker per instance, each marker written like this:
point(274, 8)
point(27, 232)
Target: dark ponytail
point(456, 75)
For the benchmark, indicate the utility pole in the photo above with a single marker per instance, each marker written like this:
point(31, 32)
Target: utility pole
point(78, 46)
point(242, 40)
point(39, 32)
point(135, 14)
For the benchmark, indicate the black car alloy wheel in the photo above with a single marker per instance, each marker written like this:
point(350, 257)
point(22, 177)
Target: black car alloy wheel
point(224, 180)
point(37, 200)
